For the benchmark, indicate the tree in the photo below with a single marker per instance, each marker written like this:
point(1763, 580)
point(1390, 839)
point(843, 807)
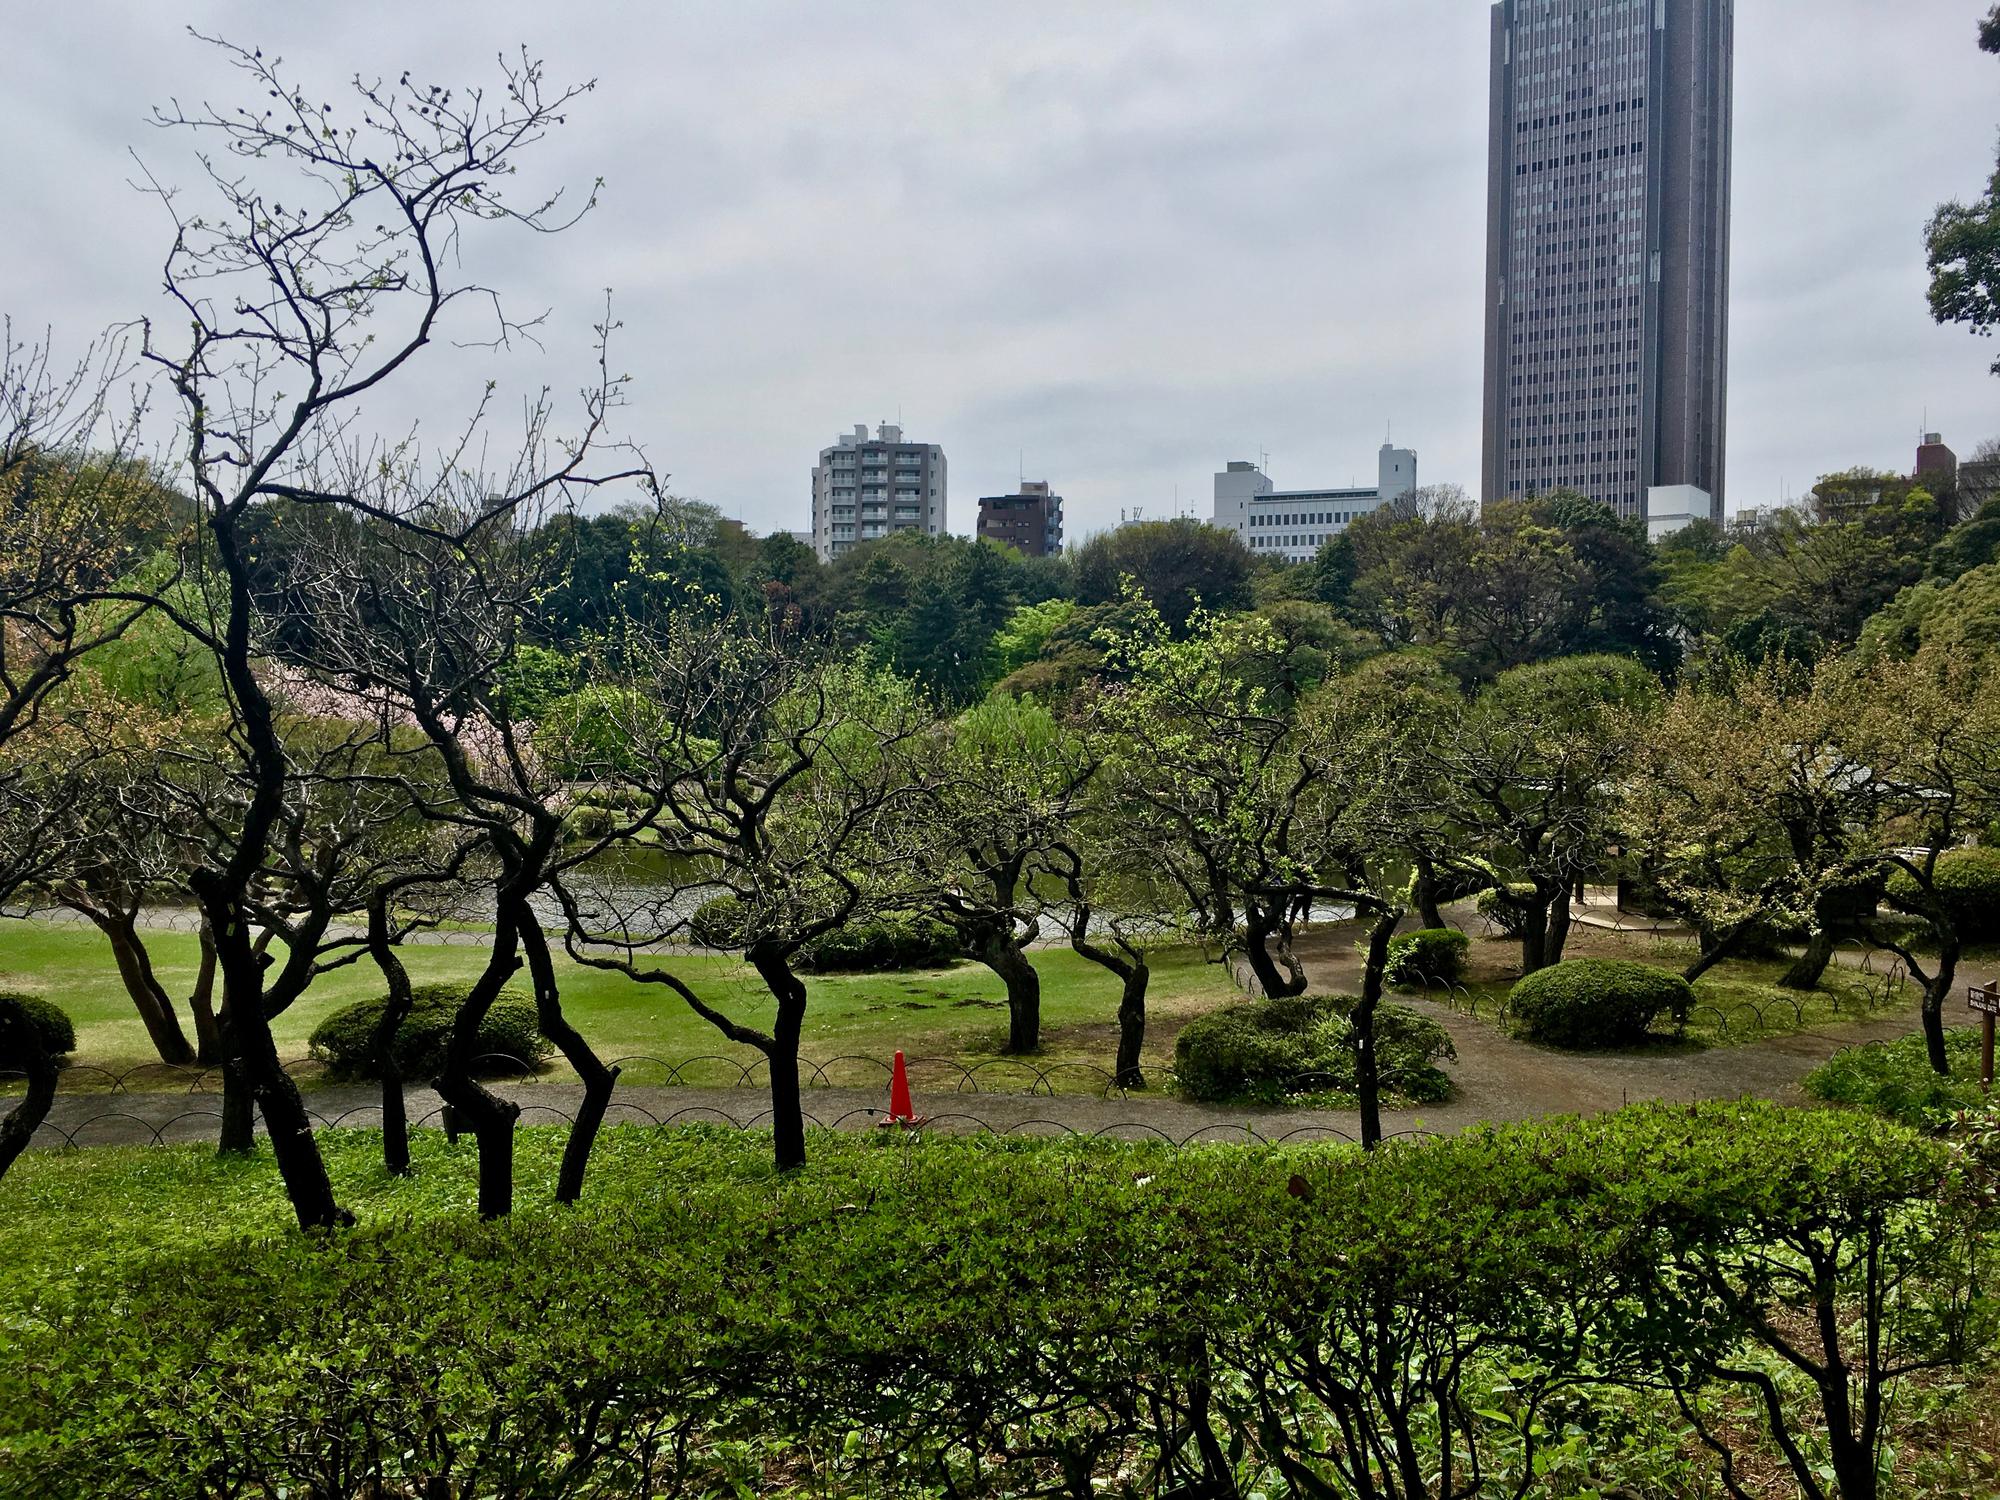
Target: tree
point(330, 260)
point(767, 776)
point(1928, 729)
point(1181, 566)
point(1527, 782)
point(1963, 244)
point(1000, 791)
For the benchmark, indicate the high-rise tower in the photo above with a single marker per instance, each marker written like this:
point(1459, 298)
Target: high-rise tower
point(1607, 232)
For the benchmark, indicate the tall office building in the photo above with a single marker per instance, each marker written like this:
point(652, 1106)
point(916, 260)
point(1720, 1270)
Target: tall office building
point(865, 488)
point(1607, 299)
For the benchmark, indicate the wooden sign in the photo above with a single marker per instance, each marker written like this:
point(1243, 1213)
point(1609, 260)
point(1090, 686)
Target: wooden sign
point(1985, 999)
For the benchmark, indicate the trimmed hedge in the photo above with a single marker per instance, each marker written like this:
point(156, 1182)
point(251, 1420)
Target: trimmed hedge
point(344, 1040)
point(883, 945)
point(49, 1021)
point(933, 1316)
point(1968, 881)
point(1268, 1050)
point(1597, 1002)
point(879, 945)
point(1435, 955)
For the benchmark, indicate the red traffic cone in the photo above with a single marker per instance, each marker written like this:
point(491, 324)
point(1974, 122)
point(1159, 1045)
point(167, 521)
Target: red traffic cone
point(899, 1093)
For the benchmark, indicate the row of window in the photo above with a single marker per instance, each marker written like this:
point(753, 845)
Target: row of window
point(1315, 518)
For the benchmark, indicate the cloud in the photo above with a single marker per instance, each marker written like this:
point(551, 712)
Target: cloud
point(1122, 243)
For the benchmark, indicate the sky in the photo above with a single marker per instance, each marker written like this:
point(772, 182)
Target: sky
point(1112, 245)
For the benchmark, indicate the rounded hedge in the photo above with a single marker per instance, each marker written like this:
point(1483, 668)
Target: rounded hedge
point(1597, 1002)
point(1266, 1050)
point(1968, 881)
point(876, 945)
point(510, 1039)
point(47, 1020)
point(883, 945)
point(1436, 955)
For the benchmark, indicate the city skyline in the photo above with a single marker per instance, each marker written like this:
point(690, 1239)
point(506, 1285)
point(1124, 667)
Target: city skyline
point(1111, 254)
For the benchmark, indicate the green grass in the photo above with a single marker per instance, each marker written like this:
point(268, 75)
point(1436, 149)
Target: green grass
point(958, 1012)
point(1895, 1079)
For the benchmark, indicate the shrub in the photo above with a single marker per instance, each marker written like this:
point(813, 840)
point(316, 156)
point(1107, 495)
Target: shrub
point(1895, 1079)
point(344, 1040)
point(1435, 955)
point(1595, 1002)
point(883, 945)
point(1265, 1050)
point(1968, 882)
point(47, 1020)
point(719, 923)
point(1500, 905)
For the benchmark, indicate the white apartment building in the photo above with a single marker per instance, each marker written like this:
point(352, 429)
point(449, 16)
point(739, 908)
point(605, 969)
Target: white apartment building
point(865, 488)
point(1293, 524)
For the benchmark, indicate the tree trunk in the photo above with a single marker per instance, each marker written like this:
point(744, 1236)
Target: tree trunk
point(598, 1079)
point(1715, 952)
point(21, 1039)
point(253, 1055)
point(788, 1121)
point(239, 1114)
point(1936, 993)
point(1260, 930)
point(1557, 938)
point(1426, 894)
point(1534, 934)
point(382, 1045)
point(994, 945)
point(1367, 1071)
point(489, 1117)
point(201, 1004)
point(1132, 1027)
point(135, 970)
point(1810, 966)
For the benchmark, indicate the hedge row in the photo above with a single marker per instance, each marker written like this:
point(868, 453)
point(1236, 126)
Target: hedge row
point(510, 1037)
point(974, 1319)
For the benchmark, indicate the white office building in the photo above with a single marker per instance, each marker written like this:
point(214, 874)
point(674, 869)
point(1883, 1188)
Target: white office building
point(864, 488)
point(1294, 524)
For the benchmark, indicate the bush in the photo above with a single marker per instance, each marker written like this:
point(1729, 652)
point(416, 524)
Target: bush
point(1435, 955)
point(883, 945)
point(912, 1312)
point(1595, 1002)
point(344, 1040)
point(719, 923)
point(1267, 1050)
point(47, 1020)
point(1895, 1079)
point(1501, 905)
point(1968, 882)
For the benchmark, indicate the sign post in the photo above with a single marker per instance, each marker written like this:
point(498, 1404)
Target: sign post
point(1986, 1000)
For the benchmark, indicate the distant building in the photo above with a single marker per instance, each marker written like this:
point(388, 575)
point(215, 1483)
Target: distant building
point(1031, 521)
point(1607, 292)
point(1293, 524)
point(865, 488)
point(1936, 464)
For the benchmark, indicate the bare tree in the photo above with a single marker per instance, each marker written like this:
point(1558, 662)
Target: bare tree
point(329, 260)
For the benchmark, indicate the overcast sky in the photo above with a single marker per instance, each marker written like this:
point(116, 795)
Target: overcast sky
point(1115, 244)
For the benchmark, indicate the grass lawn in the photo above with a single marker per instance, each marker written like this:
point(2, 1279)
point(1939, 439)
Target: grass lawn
point(958, 1012)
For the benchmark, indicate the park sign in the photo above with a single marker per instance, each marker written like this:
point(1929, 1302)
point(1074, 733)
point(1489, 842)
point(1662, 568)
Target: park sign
point(1986, 1000)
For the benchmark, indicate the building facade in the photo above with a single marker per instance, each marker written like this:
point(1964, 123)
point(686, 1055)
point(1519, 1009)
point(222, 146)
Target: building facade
point(1031, 522)
point(1607, 299)
point(1294, 524)
point(865, 488)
